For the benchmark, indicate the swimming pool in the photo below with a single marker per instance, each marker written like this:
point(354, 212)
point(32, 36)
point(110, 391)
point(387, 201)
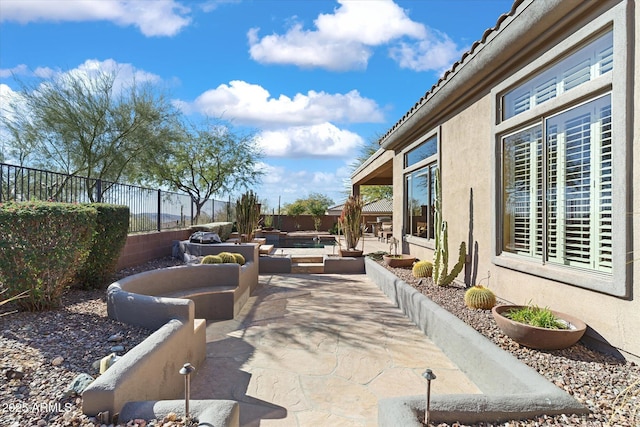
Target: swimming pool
point(307, 243)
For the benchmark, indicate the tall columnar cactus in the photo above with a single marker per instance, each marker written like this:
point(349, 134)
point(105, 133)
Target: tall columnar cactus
point(441, 256)
point(247, 215)
point(350, 221)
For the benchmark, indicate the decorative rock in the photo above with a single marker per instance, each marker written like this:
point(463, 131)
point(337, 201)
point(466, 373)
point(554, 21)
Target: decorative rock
point(14, 374)
point(57, 361)
point(115, 338)
point(77, 386)
point(117, 348)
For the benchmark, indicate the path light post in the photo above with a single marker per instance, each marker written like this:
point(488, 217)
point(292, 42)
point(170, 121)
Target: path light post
point(186, 370)
point(429, 376)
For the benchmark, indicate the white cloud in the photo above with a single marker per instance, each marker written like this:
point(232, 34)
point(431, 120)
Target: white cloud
point(369, 23)
point(211, 5)
point(323, 140)
point(286, 185)
point(341, 41)
point(126, 74)
point(436, 52)
point(153, 18)
point(249, 104)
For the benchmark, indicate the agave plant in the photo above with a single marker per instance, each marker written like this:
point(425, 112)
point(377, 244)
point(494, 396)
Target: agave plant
point(350, 221)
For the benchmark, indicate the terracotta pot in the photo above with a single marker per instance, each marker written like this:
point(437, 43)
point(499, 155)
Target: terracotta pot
point(539, 338)
point(403, 260)
point(350, 252)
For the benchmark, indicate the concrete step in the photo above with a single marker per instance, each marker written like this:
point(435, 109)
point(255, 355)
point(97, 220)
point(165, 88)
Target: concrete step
point(307, 268)
point(306, 259)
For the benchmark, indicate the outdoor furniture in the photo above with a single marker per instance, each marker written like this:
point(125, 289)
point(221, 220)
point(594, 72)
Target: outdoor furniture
point(385, 231)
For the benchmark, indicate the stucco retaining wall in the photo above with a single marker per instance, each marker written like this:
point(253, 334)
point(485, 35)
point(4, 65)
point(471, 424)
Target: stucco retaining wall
point(150, 370)
point(511, 390)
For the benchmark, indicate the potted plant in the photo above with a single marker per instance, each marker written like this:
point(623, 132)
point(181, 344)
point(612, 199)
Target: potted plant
point(539, 328)
point(395, 260)
point(350, 224)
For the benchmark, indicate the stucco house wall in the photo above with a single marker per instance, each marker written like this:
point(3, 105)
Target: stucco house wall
point(461, 110)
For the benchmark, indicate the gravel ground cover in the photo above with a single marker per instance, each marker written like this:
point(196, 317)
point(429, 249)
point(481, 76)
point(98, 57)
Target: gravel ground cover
point(43, 352)
point(609, 387)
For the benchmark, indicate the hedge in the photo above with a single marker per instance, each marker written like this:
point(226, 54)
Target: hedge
point(112, 226)
point(42, 245)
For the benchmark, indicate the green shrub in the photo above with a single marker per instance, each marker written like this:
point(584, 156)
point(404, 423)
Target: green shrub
point(112, 227)
point(41, 246)
point(211, 259)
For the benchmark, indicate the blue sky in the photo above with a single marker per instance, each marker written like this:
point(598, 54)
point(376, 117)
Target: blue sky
point(314, 79)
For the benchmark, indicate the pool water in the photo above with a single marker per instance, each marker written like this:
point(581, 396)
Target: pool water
point(304, 243)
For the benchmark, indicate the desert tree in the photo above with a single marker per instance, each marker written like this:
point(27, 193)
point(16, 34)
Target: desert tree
point(91, 124)
point(207, 159)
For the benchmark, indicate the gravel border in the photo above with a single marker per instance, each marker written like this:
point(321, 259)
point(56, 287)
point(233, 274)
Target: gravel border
point(79, 331)
point(608, 386)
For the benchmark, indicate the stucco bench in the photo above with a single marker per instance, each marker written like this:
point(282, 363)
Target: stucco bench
point(218, 291)
point(212, 302)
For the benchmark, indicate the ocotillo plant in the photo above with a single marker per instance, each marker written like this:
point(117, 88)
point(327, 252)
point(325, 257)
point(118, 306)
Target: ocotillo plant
point(441, 256)
point(247, 215)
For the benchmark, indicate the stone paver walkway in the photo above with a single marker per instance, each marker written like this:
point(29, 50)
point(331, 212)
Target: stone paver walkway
point(319, 350)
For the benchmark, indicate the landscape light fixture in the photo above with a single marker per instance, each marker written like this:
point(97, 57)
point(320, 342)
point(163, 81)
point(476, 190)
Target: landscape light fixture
point(186, 370)
point(429, 375)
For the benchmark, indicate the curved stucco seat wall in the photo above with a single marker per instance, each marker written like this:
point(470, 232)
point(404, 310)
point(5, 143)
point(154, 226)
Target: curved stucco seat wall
point(209, 291)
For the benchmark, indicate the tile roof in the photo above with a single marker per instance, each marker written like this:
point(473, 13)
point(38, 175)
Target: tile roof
point(378, 206)
point(465, 58)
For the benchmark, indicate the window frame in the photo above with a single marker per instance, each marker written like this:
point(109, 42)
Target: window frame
point(431, 161)
point(618, 282)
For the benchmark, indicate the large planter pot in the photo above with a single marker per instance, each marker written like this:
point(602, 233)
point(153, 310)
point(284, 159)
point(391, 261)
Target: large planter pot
point(350, 252)
point(403, 260)
point(539, 338)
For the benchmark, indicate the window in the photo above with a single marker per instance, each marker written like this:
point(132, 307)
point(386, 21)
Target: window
point(558, 186)
point(421, 152)
point(562, 143)
point(593, 60)
point(420, 163)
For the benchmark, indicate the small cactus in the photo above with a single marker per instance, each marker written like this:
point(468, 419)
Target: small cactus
point(479, 297)
point(422, 269)
point(211, 259)
point(227, 257)
point(239, 258)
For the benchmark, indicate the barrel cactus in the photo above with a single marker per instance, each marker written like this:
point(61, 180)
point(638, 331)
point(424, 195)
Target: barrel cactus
point(239, 258)
point(422, 269)
point(211, 259)
point(479, 297)
point(227, 257)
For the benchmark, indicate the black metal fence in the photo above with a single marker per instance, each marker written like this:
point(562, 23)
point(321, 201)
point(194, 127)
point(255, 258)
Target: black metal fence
point(150, 209)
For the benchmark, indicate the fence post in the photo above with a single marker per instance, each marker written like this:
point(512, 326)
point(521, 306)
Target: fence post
point(213, 210)
point(99, 190)
point(159, 213)
point(192, 210)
